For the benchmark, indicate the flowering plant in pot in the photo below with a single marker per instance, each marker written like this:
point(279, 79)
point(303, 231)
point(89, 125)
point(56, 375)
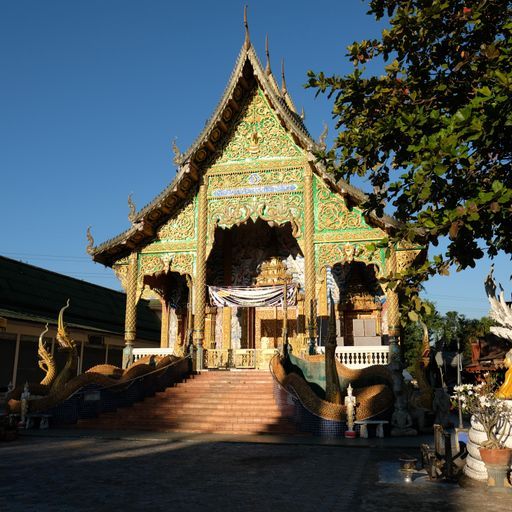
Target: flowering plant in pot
point(492, 413)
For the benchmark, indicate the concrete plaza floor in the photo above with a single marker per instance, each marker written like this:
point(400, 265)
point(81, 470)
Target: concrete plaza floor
point(73, 470)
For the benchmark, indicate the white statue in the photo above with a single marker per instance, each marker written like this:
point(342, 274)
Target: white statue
point(500, 311)
point(350, 404)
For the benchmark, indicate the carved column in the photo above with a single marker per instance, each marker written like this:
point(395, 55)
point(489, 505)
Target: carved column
point(226, 328)
point(200, 280)
point(393, 310)
point(164, 332)
point(332, 381)
point(130, 322)
point(209, 331)
point(309, 246)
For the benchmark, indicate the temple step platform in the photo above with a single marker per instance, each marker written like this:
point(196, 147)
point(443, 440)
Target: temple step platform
point(221, 402)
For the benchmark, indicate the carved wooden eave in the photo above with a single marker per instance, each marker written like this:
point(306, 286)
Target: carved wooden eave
point(247, 74)
point(148, 219)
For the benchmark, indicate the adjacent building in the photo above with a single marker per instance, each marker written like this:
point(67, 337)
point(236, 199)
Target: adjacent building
point(31, 296)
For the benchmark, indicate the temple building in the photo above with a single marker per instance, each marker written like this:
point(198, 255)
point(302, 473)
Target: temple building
point(252, 215)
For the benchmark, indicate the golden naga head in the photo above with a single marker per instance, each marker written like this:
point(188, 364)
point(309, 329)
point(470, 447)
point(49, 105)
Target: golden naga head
point(41, 341)
point(42, 348)
point(64, 339)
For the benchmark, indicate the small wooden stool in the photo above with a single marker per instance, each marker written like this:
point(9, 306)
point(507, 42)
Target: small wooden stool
point(363, 430)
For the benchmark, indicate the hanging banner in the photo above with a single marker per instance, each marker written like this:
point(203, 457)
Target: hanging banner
point(252, 297)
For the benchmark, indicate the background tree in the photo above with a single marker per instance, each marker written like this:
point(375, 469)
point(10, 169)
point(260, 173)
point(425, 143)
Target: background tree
point(444, 333)
point(433, 133)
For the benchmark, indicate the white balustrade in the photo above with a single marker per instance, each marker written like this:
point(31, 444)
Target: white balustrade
point(360, 357)
point(216, 358)
point(245, 358)
point(139, 353)
point(353, 357)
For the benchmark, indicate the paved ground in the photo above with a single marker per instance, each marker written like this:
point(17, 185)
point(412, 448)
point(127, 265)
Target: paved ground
point(98, 471)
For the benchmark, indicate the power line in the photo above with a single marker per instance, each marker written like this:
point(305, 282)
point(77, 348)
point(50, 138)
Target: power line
point(37, 255)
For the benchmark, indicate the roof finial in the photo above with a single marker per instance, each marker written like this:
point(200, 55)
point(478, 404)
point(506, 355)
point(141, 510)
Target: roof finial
point(90, 239)
point(323, 137)
point(247, 42)
point(176, 151)
point(132, 210)
point(283, 80)
point(267, 53)
point(303, 114)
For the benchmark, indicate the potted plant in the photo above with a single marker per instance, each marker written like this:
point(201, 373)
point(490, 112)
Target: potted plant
point(495, 417)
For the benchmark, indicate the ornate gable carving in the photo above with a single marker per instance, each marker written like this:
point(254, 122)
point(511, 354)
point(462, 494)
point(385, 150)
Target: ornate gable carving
point(335, 221)
point(257, 134)
point(180, 227)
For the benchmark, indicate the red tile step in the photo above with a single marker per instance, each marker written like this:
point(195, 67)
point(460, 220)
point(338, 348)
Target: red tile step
point(226, 402)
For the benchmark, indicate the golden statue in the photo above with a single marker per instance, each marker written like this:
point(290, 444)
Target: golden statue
point(505, 391)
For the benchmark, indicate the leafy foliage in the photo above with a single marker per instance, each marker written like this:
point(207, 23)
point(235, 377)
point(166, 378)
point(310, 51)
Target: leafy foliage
point(433, 134)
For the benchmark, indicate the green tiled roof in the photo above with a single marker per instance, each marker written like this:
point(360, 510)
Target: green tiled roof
point(35, 294)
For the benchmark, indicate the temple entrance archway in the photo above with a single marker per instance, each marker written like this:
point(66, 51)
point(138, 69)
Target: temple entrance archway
point(173, 292)
point(253, 255)
point(359, 302)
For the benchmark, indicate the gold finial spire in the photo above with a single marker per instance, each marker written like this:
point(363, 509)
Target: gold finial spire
point(323, 136)
point(176, 151)
point(268, 71)
point(303, 114)
point(283, 80)
point(90, 239)
point(247, 42)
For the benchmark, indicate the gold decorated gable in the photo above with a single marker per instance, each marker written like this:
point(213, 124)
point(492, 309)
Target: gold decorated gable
point(181, 226)
point(121, 271)
point(174, 247)
point(334, 221)
point(328, 254)
point(247, 180)
point(406, 255)
point(150, 264)
point(257, 134)
point(273, 208)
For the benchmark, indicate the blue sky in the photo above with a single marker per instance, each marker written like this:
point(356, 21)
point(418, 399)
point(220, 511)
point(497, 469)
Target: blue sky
point(93, 92)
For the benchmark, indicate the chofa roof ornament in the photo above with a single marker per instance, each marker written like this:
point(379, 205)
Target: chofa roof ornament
point(247, 43)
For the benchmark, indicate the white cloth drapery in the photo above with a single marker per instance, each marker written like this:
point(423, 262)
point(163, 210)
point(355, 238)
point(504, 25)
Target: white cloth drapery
point(251, 297)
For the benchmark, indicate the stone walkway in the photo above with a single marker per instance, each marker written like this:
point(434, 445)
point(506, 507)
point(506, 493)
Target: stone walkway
point(77, 471)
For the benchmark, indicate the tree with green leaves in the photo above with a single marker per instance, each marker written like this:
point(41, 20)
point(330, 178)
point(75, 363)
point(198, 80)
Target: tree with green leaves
point(446, 333)
point(433, 134)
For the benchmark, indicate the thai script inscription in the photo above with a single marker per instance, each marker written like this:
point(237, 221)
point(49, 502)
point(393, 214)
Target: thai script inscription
point(262, 189)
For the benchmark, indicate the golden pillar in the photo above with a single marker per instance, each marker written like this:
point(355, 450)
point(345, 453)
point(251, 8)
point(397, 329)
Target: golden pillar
point(209, 330)
point(309, 247)
point(200, 280)
point(323, 309)
point(166, 314)
point(393, 307)
point(130, 322)
point(226, 328)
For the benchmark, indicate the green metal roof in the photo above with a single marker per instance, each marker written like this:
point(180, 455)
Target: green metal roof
point(35, 294)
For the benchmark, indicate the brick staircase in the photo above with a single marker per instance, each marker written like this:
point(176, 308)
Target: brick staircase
point(223, 402)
